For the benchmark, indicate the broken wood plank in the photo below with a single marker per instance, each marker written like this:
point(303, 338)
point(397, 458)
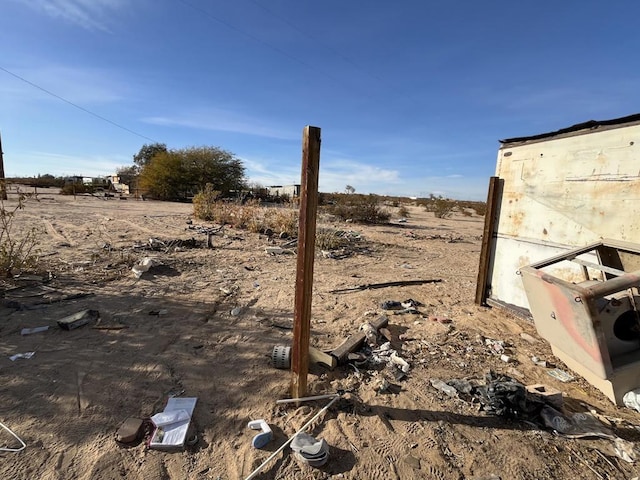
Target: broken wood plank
point(322, 358)
point(354, 342)
point(372, 286)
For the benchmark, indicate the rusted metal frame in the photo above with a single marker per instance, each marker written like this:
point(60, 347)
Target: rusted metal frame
point(568, 256)
point(493, 196)
point(595, 266)
point(304, 270)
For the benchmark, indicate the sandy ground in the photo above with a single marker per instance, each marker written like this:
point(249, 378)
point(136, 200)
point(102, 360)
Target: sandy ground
point(67, 401)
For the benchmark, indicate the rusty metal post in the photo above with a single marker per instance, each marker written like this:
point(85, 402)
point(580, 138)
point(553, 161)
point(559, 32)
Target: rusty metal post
point(306, 251)
point(3, 182)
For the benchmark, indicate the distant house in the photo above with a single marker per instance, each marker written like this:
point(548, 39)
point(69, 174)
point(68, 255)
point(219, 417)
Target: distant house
point(290, 191)
point(120, 188)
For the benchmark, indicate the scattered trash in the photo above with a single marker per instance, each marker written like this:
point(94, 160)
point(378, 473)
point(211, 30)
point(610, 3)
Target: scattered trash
point(8, 449)
point(390, 305)
point(504, 396)
point(506, 358)
point(443, 320)
point(443, 387)
point(528, 338)
point(561, 375)
point(131, 430)
point(371, 286)
point(29, 331)
point(538, 362)
point(400, 362)
point(78, 319)
point(26, 356)
point(236, 311)
point(309, 450)
point(283, 446)
point(143, 266)
point(496, 346)
point(307, 399)
point(632, 399)
point(381, 384)
point(281, 357)
point(546, 394)
point(275, 250)
point(407, 306)
point(172, 424)
point(577, 425)
point(370, 334)
point(262, 438)
point(625, 450)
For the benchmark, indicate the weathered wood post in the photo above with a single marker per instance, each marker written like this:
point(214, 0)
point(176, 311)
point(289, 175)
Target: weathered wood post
point(3, 184)
point(306, 251)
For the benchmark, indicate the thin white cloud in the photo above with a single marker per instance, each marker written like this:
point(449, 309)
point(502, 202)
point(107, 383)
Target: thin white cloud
point(220, 120)
point(88, 14)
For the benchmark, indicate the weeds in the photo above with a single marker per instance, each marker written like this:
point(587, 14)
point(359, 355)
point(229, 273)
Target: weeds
point(250, 216)
point(17, 252)
point(440, 206)
point(205, 203)
point(329, 239)
point(359, 209)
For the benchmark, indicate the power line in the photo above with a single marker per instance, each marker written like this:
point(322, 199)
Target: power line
point(104, 119)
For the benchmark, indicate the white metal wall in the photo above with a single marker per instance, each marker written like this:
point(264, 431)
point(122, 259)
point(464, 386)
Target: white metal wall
point(561, 193)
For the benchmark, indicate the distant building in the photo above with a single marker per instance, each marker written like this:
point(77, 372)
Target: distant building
point(290, 191)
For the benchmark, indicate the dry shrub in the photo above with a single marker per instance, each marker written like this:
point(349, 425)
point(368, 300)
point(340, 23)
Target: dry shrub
point(18, 251)
point(205, 204)
point(329, 239)
point(282, 220)
point(403, 211)
point(440, 206)
point(359, 209)
point(244, 216)
point(250, 216)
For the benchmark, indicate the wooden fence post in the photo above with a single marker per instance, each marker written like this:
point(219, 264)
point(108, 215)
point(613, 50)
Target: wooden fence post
point(306, 251)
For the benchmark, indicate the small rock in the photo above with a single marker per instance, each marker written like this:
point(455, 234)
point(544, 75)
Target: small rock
point(412, 461)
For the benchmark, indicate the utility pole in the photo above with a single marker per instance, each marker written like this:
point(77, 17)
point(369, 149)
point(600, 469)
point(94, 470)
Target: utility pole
point(3, 184)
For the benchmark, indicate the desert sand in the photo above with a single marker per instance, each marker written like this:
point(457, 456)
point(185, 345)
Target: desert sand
point(203, 324)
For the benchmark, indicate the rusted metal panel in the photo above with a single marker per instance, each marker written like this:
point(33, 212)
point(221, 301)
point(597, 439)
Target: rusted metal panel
point(559, 194)
point(591, 322)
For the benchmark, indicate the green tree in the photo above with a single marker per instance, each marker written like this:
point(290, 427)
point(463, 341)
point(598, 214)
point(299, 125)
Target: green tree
point(178, 174)
point(147, 152)
point(213, 165)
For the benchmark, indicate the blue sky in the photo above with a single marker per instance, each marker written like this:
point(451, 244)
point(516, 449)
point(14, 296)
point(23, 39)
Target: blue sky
point(411, 96)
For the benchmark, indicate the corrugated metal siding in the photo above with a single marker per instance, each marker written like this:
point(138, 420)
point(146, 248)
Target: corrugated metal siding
point(563, 193)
